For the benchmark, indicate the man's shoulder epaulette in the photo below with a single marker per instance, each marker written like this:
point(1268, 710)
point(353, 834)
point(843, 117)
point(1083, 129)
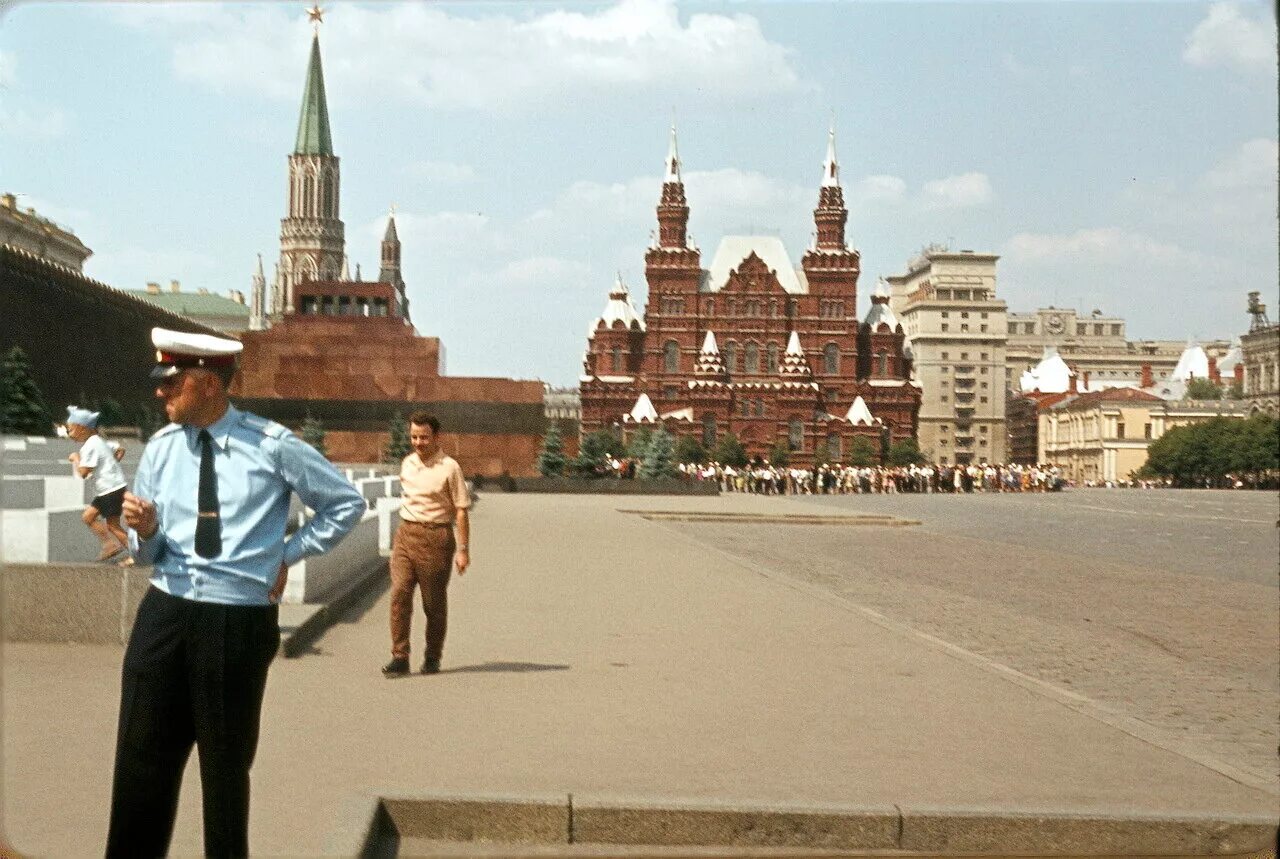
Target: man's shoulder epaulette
point(269, 428)
point(167, 429)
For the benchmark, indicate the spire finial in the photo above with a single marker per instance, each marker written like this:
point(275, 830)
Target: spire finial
point(831, 167)
point(673, 155)
point(316, 15)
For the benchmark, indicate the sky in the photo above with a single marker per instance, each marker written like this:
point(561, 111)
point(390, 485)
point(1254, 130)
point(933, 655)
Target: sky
point(1119, 156)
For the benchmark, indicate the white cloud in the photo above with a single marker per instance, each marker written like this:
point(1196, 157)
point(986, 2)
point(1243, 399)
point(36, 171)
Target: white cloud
point(1227, 37)
point(542, 271)
point(25, 124)
point(443, 172)
point(734, 189)
point(877, 189)
point(1096, 246)
point(955, 192)
point(425, 55)
point(1252, 167)
point(7, 65)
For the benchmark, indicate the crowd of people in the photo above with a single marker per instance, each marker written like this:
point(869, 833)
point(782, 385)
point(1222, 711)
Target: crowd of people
point(766, 479)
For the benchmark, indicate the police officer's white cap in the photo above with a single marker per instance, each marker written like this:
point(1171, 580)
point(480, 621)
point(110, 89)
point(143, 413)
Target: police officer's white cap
point(179, 350)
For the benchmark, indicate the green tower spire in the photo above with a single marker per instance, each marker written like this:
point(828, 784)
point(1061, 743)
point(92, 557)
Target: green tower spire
point(313, 122)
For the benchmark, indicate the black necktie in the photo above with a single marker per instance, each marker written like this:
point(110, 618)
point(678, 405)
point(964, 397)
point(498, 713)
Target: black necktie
point(208, 525)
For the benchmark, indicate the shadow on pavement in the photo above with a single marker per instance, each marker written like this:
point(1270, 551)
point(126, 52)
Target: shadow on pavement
point(506, 667)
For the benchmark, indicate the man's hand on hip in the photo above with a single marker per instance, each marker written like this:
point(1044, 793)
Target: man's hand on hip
point(282, 579)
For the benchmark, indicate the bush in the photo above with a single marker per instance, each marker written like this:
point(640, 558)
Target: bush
point(780, 454)
point(1203, 389)
point(690, 449)
point(551, 461)
point(729, 451)
point(398, 447)
point(1206, 452)
point(862, 452)
point(22, 406)
point(906, 452)
point(594, 452)
point(660, 457)
point(639, 445)
point(313, 434)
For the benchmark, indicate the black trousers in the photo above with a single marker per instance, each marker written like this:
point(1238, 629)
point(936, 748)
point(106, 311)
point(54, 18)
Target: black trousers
point(194, 673)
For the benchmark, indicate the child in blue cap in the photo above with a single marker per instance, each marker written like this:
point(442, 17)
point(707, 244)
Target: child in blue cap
point(95, 458)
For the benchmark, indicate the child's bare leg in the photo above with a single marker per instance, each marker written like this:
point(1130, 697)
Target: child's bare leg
point(113, 525)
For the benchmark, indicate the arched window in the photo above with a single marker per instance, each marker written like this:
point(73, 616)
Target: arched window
point(773, 308)
point(771, 359)
point(882, 364)
point(617, 359)
point(831, 358)
point(795, 434)
point(833, 447)
point(326, 182)
point(708, 431)
point(731, 356)
point(753, 358)
point(671, 357)
point(759, 408)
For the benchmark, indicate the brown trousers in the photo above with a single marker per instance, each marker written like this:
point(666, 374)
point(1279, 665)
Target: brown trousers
point(421, 555)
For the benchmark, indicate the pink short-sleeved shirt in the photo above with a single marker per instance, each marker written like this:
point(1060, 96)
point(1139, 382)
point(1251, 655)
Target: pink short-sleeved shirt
point(432, 491)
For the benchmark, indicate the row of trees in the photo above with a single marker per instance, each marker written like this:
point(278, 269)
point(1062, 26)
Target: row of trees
point(1203, 454)
point(659, 453)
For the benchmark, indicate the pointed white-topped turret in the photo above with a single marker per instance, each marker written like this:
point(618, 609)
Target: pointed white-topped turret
point(709, 361)
point(345, 274)
point(643, 411)
point(880, 313)
point(260, 274)
point(794, 363)
point(620, 309)
point(831, 167)
point(859, 414)
point(673, 159)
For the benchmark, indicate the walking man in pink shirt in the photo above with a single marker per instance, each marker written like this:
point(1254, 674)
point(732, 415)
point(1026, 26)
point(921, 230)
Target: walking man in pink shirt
point(430, 541)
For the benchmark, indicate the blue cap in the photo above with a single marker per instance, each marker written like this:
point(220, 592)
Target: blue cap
point(84, 417)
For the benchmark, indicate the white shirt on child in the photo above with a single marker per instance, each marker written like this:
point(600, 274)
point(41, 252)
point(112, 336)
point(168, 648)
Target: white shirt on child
point(107, 475)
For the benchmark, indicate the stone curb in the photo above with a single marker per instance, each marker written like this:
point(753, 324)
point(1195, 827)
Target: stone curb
point(296, 641)
point(378, 823)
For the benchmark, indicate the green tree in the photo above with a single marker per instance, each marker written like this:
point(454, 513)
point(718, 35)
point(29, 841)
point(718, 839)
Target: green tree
point(862, 452)
point(639, 444)
point(905, 452)
point(1206, 452)
point(594, 450)
point(1203, 389)
point(659, 457)
point(1236, 391)
point(690, 449)
point(551, 461)
point(22, 406)
point(313, 434)
point(398, 447)
point(780, 454)
point(729, 451)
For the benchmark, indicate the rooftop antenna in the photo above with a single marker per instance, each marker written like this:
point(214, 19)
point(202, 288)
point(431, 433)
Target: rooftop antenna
point(1258, 312)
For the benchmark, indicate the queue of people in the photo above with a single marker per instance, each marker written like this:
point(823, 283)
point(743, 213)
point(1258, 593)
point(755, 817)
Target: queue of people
point(762, 478)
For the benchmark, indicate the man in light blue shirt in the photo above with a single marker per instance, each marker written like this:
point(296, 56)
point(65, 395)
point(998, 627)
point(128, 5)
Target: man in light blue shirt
point(208, 509)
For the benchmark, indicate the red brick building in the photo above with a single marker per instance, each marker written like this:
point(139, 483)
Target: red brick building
point(344, 350)
point(752, 345)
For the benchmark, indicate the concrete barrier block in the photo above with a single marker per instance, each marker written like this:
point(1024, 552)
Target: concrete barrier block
point(313, 579)
point(85, 603)
point(999, 831)
point(521, 820)
point(611, 822)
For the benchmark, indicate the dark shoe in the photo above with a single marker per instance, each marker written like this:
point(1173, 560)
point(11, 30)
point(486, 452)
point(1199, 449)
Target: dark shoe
point(431, 666)
point(397, 667)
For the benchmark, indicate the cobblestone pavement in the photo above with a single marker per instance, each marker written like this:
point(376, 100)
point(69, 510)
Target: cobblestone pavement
point(1161, 605)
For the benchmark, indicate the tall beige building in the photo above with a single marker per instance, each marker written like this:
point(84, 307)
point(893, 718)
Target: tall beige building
point(1261, 356)
point(956, 330)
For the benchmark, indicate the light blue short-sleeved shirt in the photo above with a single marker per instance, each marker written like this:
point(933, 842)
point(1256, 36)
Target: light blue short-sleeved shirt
point(258, 463)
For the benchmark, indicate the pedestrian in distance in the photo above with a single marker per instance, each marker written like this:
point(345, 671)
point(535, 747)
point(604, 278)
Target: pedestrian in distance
point(430, 542)
point(208, 509)
point(95, 459)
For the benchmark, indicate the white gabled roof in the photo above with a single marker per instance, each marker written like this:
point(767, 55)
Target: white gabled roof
point(1050, 376)
point(1192, 362)
point(859, 413)
point(734, 249)
point(619, 309)
point(643, 410)
point(1227, 366)
point(685, 414)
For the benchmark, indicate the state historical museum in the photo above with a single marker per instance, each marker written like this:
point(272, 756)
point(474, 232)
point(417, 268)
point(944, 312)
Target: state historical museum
point(752, 345)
